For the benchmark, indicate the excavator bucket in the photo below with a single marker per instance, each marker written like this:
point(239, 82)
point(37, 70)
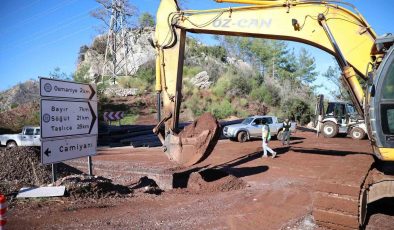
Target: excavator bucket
point(194, 143)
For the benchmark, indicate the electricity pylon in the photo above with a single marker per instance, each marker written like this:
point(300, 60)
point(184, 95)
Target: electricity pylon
point(117, 49)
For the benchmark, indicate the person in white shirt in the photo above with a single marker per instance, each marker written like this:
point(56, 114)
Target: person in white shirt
point(266, 135)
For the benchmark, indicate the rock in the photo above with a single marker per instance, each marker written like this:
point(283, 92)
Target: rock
point(141, 52)
point(201, 80)
point(120, 92)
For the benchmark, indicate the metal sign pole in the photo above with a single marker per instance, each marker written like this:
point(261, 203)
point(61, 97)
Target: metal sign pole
point(90, 166)
point(54, 173)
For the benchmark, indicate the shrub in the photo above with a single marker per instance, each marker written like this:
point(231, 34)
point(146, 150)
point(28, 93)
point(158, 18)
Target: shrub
point(266, 94)
point(298, 110)
point(82, 74)
point(147, 73)
point(133, 82)
point(191, 71)
point(196, 104)
point(14, 105)
point(241, 85)
point(222, 86)
point(99, 45)
point(102, 86)
point(243, 102)
point(222, 109)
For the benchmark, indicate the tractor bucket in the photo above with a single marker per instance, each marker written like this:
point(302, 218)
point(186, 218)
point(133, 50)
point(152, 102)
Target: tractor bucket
point(194, 143)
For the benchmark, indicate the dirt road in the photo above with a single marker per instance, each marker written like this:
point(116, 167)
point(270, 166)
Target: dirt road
point(239, 191)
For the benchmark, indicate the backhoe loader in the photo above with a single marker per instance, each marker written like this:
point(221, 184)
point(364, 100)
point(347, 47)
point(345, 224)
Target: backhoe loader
point(339, 118)
point(332, 26)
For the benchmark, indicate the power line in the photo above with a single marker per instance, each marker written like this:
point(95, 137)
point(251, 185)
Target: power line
point(19, 9)
point(57, 7)
point(43, 33)
point(54, 41)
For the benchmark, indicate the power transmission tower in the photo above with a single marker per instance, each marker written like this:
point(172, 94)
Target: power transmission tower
point(117, 49)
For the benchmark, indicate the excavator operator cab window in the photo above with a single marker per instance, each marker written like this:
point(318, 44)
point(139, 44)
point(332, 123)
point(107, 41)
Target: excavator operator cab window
point(387, 108)
point(387, 112)
point(384, 101)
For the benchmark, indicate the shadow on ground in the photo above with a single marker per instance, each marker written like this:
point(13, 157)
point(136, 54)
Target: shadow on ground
point(327, 152)
point(217, 172)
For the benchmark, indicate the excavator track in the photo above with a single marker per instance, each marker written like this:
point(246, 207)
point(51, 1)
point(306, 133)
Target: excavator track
point(336, 201)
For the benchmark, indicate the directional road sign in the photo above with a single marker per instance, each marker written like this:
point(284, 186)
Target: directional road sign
point(53, 151)
point(67, 89)
point(113, 116)
point(66, 118)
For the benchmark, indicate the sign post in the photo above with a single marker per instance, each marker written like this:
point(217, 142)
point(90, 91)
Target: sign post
point(69, 125)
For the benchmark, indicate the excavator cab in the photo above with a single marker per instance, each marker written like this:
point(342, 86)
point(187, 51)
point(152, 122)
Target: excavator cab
point(381, 108)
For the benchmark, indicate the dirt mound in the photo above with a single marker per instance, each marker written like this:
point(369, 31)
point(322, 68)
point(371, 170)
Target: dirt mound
point(84, 186)
point(204, 122)
point(213, 180)
point(21, 167)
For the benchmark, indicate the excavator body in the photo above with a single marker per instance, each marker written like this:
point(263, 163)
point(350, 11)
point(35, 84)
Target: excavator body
point(332, 26)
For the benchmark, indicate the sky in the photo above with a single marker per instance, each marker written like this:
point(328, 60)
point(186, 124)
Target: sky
point(36, 36)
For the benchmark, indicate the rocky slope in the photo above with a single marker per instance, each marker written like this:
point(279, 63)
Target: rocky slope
point(141, 52)
point(21, 93)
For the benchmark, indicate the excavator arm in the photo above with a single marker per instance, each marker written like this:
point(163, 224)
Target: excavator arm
point(338, 30)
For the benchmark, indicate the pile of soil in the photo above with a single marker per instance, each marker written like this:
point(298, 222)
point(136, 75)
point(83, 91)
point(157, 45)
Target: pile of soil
point(85, 186)
point(21, 167)
point(213, 180)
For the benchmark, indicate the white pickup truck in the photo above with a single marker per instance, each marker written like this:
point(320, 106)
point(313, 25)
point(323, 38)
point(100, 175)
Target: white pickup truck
point(251, 127)
point(30, 136)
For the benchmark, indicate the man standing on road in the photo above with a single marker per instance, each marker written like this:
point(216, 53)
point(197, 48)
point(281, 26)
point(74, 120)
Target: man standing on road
point(286, 132)
point(266, 134)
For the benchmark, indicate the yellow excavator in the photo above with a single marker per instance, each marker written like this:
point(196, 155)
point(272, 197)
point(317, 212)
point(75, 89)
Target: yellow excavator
point(333, 26)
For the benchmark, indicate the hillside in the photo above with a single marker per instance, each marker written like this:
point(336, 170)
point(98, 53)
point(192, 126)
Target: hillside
point(12, 121)
point(239, 77)
point(19, 94)
point(19, 106)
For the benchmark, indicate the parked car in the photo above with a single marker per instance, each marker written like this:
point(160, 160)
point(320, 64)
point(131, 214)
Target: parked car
point(251, 128)
point(30, 136)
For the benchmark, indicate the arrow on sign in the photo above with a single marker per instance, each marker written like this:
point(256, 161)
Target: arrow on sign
point(113, 116)
point(93, 92)
point(93, 116)
point(47, 152)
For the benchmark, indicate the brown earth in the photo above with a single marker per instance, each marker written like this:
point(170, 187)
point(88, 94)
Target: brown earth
point(234, 188)
point(21, 167)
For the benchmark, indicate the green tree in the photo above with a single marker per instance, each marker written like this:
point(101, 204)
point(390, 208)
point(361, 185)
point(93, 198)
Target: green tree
point(82, 74)
point(146, 20)
point(306, 67)
point(82, 52)
point(333, 76)
point(99, 44)
point(58, 74)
